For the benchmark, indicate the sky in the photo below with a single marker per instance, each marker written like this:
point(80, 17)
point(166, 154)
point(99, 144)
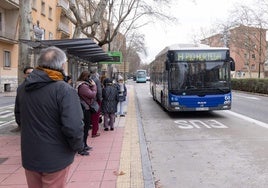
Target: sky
point(192, 16)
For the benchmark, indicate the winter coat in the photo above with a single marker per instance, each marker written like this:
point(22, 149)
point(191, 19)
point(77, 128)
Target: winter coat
point(50, 116)
point(86, 93)
point(110, 99)
point(122, 91)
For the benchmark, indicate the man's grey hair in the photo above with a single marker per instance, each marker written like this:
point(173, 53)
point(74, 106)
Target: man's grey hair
point(52, 58)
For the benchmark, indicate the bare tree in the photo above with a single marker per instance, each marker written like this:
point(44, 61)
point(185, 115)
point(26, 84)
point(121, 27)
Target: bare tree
point(251, 38)
point(103, 20)
point(24, 33)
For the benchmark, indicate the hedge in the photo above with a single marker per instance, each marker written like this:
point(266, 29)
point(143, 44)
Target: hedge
point(251, 85)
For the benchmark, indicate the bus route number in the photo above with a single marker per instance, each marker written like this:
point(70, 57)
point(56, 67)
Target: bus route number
point(191, 124)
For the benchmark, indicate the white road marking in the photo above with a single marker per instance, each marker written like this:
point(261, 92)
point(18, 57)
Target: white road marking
point(190, 124)
point(260, 123)
point(253, 98)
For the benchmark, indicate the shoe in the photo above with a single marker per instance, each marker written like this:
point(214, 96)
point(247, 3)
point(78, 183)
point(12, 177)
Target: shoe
point(112, 129)
point(87, 148)
point(83, 152)
point(122, 115)
point(106, 129)
point(96, 135)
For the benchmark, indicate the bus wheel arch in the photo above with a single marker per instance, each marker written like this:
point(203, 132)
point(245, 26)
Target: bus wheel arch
point(162, 101)
point(153, 93)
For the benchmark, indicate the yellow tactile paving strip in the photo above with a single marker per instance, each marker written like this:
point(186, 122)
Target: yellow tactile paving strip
point(130, 170)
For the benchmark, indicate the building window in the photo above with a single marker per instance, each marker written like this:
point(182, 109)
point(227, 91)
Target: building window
point(253, 56)
point(7, 59)
point(50, 13)
point(34, 4)
point(50, 36)
point(0, 21)
point(43, 8)
point(253, 67)
point(43, 36)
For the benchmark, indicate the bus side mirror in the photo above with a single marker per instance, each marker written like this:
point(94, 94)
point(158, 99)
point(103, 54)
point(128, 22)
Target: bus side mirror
point(232, 64)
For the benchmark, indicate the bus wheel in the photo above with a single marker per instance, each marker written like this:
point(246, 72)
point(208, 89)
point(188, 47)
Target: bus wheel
point(152, 91)
point(162, 102)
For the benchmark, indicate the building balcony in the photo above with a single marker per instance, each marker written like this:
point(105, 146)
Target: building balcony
point(8, 36)
point(64, 4)
point(9, 4)
point(64, 27)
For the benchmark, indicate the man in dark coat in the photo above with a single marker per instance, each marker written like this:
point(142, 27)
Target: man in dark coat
point(49, 112)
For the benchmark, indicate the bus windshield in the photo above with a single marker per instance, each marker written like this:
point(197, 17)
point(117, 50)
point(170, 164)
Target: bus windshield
point(188, 78)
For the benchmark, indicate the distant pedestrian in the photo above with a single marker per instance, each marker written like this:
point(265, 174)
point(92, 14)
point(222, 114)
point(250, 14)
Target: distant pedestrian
point(50, 115)
point(87, 91)
point(69, 80)
point(95, 117)
point(26, 71)
point(122, 92)
point(109, 104)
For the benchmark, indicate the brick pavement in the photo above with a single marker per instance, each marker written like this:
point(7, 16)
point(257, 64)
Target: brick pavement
point(114, 162)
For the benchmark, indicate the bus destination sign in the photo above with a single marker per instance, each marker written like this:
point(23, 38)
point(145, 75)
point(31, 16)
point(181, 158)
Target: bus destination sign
point(200, 55)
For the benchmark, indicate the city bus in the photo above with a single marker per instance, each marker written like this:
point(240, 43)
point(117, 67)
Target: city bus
point(141, 76)
point(188, 77)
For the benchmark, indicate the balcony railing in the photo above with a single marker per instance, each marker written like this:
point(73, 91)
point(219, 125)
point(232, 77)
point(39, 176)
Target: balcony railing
point(8, 33)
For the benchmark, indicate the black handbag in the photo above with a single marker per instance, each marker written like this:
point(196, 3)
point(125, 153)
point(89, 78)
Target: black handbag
point(94, 107)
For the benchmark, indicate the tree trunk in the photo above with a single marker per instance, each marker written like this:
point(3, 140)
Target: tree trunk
point(24, 33)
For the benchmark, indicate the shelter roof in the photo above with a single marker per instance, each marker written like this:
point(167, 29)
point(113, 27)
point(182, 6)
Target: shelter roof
point(83, 48)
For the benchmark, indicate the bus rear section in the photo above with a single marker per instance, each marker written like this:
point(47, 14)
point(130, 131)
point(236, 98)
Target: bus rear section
point(141, 76)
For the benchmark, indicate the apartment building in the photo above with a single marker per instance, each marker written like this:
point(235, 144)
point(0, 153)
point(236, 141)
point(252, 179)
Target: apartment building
point(248, 47)
point(9, 15)
point(47, 23)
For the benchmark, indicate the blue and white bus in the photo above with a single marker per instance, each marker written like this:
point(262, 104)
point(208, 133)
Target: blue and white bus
point(192, 78)
point(141, 76)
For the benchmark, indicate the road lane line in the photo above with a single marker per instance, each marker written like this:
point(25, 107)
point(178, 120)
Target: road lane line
point(260, 123)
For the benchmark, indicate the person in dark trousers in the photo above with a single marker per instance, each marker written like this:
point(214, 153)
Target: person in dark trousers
point(26, 71)
point(87, 91)
point(51, 119)
point(95, 117)
point(109, 104)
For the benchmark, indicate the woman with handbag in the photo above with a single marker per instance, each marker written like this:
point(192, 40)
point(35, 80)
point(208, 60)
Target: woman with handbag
point(87, 91)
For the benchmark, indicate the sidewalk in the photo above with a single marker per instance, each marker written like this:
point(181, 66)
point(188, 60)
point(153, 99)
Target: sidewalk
point(114, 162)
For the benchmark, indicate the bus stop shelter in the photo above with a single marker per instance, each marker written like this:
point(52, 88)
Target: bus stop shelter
point(83, 49)
point(79, 52)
